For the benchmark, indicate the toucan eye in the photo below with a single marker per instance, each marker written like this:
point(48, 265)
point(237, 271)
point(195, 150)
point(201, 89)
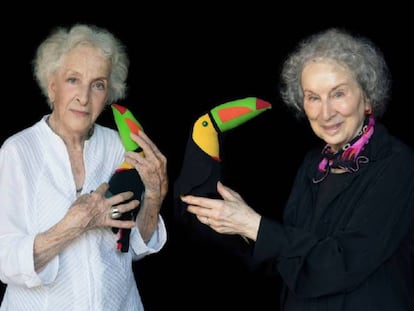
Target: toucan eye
point(205, 123)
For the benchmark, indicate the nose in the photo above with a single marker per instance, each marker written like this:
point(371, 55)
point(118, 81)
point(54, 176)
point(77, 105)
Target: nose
point(83, 95)
point(327, 109)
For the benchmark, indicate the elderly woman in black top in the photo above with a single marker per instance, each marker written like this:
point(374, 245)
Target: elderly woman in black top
point(347, 237)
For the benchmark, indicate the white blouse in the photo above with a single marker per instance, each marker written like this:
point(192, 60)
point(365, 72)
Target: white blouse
point(36, 189)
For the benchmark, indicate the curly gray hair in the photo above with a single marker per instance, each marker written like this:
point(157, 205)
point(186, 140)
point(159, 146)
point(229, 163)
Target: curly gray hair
point(363, 59)
point(51, 52)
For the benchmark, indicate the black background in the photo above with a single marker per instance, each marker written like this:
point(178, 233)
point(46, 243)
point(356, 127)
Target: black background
point(186, 60)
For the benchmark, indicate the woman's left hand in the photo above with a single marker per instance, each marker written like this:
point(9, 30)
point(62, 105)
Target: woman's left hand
point(151, 165)
point(230, 215)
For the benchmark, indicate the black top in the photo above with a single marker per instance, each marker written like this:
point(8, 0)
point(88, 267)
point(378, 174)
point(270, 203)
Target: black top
point(351, 246)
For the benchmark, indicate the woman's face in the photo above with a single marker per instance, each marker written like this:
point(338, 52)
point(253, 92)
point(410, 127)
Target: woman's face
point(333, 102)
point(79, 90)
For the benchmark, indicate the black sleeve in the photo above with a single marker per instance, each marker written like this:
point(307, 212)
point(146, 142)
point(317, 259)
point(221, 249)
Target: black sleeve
point(381, 215)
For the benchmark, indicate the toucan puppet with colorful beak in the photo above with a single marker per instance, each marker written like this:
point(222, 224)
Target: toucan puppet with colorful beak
point(202, 164)
point(126, 177)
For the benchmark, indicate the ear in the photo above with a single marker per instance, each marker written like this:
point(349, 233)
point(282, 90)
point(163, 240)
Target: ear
point(51, 90)
point(368, 108)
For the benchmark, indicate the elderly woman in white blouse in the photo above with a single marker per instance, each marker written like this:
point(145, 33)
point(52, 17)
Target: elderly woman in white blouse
point(57, 249)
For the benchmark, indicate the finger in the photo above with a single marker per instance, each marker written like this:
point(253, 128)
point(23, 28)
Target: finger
point(142, 139)
point(115, 212)
point(201, 212)
point(204, 219)
point(124, 224)
point(150, 154)
point(197, 201)
point(227, 193)
point(102, 189)
point(131, 160)
point(120, 197)
point(128, 206)
point(147, 144)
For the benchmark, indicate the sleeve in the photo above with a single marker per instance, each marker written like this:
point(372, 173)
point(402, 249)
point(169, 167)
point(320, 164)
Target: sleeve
point(16, 240)
point(380, 217)
point(155, 243)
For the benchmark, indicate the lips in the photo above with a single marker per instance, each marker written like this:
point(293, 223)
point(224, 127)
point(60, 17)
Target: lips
point(80, 113)
point(331, 130)
point(333, 127)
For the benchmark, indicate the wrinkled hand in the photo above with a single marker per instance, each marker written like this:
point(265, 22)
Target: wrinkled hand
point(152, 167)
point(94, 210)
point(231, 215)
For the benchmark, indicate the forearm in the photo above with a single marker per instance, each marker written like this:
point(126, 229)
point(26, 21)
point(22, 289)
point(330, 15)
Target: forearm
point(50, 243)
point(147, 218)
point(251, 228)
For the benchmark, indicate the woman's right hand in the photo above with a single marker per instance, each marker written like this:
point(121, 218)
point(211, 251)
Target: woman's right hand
point(89, 211)
point(94, 210)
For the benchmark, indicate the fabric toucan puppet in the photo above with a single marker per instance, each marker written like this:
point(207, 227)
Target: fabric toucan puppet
point(126, 177)
point(201, 169)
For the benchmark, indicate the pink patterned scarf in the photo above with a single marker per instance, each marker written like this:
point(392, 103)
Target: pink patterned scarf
point(350, 155)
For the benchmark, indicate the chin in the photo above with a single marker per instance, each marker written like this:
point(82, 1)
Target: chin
point(333, 143)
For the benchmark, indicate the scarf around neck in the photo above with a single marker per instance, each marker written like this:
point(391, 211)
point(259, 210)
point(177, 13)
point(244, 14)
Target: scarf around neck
point(349, 156)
